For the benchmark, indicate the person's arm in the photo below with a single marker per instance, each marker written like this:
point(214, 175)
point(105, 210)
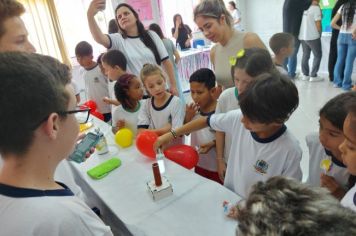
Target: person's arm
point(220, 144)
point(252, 40)
point(212, 56)
point(176, 32)
point(318, 26)
point(194, 125)
point(335, 20)
point(170, 72)
point(110, 101)
point(176, 56)
point(98, 36)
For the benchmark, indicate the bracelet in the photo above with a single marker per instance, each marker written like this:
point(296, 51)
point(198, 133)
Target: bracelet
point(174, 134)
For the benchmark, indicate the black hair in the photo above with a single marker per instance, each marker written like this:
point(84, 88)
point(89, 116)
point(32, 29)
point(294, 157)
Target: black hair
point(270, 98)
point(113, 27)
point(348, 12)
point(335, 110)
point(32, 87)
point(156, 28)
point(121, 88)
point(99, 59)
point(204, 76)
point(279, 41)
point(115, 58)
point(175, 18)
point(255, 61)
point(83, 48)
point(233, 4)
point(143, 34)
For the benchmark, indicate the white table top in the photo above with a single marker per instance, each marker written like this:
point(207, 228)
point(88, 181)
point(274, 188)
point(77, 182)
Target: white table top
point(195, 208)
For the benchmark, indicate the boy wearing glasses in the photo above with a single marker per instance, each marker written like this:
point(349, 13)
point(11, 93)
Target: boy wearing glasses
point(38, 131)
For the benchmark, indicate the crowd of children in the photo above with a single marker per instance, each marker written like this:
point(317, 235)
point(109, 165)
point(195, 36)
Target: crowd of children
point(240, 134)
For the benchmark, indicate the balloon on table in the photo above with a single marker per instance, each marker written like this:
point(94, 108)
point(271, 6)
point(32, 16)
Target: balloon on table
point(97, 115)
point(91, 104)
point(124, 137)
point(145, 141)
point(183, 155)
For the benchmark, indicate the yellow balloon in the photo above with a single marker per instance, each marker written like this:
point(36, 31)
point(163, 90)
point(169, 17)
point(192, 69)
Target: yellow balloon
point(124, 137)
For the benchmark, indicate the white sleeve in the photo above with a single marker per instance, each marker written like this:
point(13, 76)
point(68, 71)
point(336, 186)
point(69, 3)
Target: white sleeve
point(116, 115)
point(144, 116)
point(160, 46)
point(177, 112)
point(317, 14)
point(224, 121)
point(292, 166)
point(116, 41)
point(340, 9)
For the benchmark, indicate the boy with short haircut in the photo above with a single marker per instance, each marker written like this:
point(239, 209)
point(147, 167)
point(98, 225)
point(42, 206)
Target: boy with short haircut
point(31, 202)
point(262, 145)
point(282, 45)
point(202, 88)
point(95, 82)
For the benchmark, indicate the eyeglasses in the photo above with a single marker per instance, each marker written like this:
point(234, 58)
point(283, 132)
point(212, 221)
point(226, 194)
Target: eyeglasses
point(239, 54)
point(81, 114)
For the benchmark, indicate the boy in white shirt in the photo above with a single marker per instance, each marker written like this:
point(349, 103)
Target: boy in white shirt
point(95, 82)
point(202, 88)
point(309, 36)
point(31, 202)
point(262, 145)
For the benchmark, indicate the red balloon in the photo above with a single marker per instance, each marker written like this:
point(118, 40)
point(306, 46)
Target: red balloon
point(91, 104)
point(97, 115)
point(183, 155)
point(145, 141)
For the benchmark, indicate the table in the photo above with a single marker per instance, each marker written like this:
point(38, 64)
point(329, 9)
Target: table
point(195, 208)
point(192, 60)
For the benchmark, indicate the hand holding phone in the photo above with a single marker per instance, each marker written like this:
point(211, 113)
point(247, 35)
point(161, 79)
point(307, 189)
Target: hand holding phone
point(88, 142)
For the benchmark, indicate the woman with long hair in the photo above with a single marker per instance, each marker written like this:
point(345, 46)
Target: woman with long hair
point(181, 32)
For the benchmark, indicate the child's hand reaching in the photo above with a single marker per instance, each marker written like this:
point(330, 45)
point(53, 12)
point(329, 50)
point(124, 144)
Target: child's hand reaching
point(120, 124)
point(107, 100)
point(329, 182)
point(190, 111)
point(205, 148)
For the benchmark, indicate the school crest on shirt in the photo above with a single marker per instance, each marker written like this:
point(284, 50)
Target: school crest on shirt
point(96, 80)
point(261, 166)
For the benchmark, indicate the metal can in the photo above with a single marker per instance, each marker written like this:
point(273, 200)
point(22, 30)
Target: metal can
point(102, 146)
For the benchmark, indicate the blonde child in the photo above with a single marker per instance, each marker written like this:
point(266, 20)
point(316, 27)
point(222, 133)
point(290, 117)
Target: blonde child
point(129, 92)
point(162, 111)
point(245, 67)
point(202, 88)
point(324, 147)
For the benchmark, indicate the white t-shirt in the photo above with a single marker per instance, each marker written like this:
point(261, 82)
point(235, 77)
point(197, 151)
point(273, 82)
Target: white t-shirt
point(281, 69)
point(136, 52)
point(344, 28)
point(96, 86)
point(308, 30)
point(75, 87)
point(317, 153)
point(131, 118)
point(152, 117)
point(227, 101)
point(111, 89)
point(349, 200)
point(236, 14)
point(46, 212)
point(206, 161)
point(253, 159)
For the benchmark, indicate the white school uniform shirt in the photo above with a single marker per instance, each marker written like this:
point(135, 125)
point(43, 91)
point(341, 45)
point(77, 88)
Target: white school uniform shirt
point(308, 30)
point(136, 52)
point(349, 200)
point(111, 90)
point(253, 159)
point(26, 212)
point(317, 153)
point(96, 86)
point(152, 117)
point(344, 29)
point(227, 101)
point(131, 118)
point(206, 161)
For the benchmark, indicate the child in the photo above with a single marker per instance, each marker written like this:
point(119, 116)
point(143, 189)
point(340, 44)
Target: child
point(202, 88)
point(324, 147)
point(248, 64)
point(32, 151)
point(262, 145)
point(309, 36)
point(282, 45)
point(114, 64)
point(95, 82)
point(172, 51)
point(163, 111)
point(129, 92)
point(348, 154)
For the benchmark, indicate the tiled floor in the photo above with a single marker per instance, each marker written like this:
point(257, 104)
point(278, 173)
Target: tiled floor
point(312, 96)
